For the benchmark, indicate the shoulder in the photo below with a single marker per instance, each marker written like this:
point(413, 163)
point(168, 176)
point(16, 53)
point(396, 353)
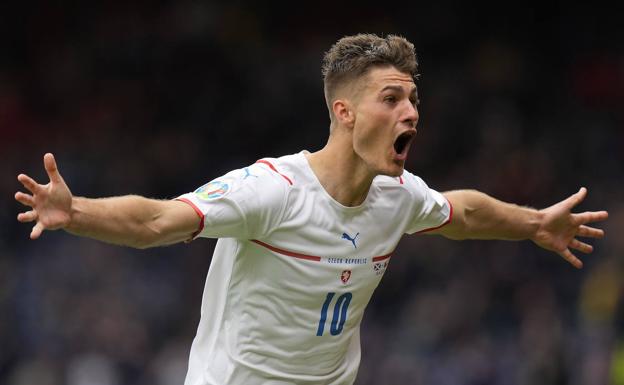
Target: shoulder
point(413, 182)
point(289, 169)
point(268, 181)
point(406, 182)
point(407, 186)
point(255, 182)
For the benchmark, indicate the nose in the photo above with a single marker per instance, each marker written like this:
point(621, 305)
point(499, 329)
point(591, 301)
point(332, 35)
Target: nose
point(410, 115)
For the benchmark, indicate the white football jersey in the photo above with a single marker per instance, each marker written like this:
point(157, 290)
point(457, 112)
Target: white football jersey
point(293, 271)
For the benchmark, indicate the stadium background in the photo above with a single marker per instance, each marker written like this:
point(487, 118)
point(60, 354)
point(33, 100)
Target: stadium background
point(520, 100)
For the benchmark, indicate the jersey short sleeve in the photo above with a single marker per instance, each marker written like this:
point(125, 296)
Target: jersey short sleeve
point(245, 203)
point(429, 209)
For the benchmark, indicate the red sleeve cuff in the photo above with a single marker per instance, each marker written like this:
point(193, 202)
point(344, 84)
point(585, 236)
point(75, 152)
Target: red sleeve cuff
point(198, 212)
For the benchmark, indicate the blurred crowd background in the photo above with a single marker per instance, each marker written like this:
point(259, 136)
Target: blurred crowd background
point(523, 101)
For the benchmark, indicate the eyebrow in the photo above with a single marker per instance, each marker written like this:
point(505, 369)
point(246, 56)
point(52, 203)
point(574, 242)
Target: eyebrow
point(414, 90)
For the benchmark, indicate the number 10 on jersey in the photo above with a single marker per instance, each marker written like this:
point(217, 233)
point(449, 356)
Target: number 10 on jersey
point(339, 315)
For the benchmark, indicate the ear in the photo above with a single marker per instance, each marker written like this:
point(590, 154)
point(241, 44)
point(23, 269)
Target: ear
point(343, 111)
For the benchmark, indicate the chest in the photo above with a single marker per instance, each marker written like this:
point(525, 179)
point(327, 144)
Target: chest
point(318, 244)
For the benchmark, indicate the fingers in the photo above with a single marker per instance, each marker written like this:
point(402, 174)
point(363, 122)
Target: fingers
point(50, 166)
point(568, 256)
point(576, 245)
point(36, 231)
point(28, 182)
point(581, 246)
point(590, 232)
point(28, 216)
point(25, 199)
point(577, 198)
point(590, 216)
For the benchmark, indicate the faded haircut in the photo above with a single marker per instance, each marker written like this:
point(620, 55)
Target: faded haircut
point(351, 57)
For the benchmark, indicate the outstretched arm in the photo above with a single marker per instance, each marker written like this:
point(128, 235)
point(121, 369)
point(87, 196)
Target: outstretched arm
point(127, 220)
point(479, 216)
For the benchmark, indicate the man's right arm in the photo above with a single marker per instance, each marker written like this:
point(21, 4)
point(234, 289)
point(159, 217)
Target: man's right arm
point(133, 220)
point(127, 220)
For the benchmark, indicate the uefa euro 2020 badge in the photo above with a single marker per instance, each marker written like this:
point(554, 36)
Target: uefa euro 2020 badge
point(216, 189)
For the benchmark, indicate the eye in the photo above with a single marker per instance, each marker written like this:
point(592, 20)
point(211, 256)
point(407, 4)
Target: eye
point(390, 99)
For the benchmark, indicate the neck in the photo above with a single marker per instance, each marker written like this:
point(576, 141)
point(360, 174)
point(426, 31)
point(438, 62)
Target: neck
point(341, 172)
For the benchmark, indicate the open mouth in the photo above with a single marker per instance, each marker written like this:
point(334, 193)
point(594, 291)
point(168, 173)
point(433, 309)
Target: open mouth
point(401, 144)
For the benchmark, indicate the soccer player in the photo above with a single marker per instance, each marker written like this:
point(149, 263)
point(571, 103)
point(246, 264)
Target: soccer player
point(305, 238)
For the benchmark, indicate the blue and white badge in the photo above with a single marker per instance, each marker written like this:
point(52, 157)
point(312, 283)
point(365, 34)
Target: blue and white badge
point(214, 190)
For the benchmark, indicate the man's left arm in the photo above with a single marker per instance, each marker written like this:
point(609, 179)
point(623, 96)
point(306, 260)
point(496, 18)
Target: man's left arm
point(556, 228)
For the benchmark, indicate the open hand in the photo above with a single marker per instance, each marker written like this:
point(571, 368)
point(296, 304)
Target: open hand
point(50, 203)
point(560, 228)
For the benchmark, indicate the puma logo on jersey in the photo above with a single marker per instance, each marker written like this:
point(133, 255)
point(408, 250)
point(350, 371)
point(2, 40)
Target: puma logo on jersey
point(348, 238)
point(248, 173)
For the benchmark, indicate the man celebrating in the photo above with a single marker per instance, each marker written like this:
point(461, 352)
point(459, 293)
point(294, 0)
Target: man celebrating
point(305, 238)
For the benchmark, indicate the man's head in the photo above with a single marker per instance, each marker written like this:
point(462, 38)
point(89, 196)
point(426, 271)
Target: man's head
point(351, 58)
point(371, 94)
